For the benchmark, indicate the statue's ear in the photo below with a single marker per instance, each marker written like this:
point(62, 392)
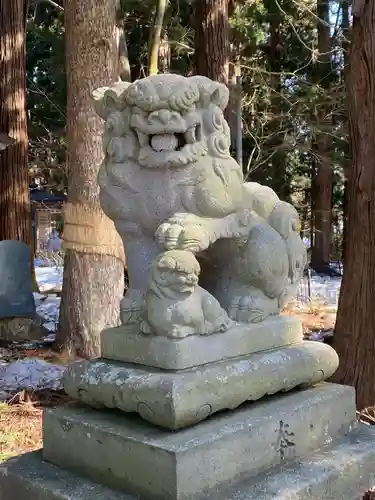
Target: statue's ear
point(99, 102)
point(220, 96)
point(211, 91)
point(109, 99)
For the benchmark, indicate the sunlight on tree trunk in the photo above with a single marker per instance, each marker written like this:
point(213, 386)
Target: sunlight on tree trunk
point(164, 53)
point(93, 283)
point(123, 57)
point(155, 36)
point(354, 337)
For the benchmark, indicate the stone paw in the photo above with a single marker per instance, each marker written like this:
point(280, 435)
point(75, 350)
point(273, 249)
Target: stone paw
point(184, 232)
point(180, 332)
point(145, 327)
point(246, 309)
point(168, 235)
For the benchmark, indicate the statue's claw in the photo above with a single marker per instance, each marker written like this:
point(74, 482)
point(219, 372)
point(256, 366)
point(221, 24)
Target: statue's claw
point(184, 232)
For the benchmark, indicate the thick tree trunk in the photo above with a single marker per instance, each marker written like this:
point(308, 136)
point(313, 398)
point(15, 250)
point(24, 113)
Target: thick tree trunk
point(212, 44)
point(354, 337)
point(345, 25)
point(321, 248)
point(15, 211)
point(94, 273)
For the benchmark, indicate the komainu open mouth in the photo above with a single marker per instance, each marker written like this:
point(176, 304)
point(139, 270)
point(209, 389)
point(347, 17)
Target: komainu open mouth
point(170, 141)
point(167, 142)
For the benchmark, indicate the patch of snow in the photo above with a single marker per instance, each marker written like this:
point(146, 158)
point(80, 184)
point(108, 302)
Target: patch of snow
point(322, 288)
point(48, 306)
point(30, 374)
point(49, 278)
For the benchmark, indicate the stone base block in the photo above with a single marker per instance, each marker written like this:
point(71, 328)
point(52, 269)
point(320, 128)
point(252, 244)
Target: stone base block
point(20, 329)
point(343, 471)
point(126, 343)
point(126, 453)
point(178, 399)
point(27, 477)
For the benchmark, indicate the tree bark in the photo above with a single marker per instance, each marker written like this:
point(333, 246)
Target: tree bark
point(15, 211)
point(275, 129)
point(164, 53)
point(321, 248)
point(212, 43)
point(124, 63)
point(354, 337)
point(369, 495)
point(345, 26)
point(93, 272)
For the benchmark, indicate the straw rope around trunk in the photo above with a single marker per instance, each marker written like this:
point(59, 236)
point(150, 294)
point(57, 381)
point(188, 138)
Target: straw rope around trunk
point(88, 230)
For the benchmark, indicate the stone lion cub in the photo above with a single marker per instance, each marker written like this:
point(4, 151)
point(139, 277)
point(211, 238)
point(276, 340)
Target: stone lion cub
point(176, 305)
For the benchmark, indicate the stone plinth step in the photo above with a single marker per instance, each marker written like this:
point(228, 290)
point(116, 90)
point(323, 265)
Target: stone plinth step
point(178, 399)
point(126, 453)
point(28, 477)
point(126, 343)
point(342, 471)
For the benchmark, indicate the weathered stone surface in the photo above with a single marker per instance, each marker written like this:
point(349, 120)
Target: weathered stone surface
point(170, 185)
point(125, 452)
point(27, 477)
point(17, 329)
point(178, 399)
point(126, 343)
point(342, 471)
point(16, 293)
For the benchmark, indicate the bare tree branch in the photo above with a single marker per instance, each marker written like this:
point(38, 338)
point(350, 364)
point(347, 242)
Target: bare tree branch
point(51, 2)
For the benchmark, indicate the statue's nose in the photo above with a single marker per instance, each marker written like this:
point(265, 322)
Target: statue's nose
point(163, 116)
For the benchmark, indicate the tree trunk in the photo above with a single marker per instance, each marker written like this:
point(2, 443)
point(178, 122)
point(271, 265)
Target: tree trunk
point(275, 130)
point(155, 36)
point(93, 271)
point(15, 211)
point(369, 495)
point(124, 64)
point(354, 337)
point(164, 53)
point(321, 248)
point(345, 25)
point(212, 44)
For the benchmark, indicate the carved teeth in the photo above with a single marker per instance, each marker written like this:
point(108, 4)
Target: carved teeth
point(164, 142)
point(190, 135)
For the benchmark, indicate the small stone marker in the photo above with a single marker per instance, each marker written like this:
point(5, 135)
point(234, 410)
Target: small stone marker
point(16, 292)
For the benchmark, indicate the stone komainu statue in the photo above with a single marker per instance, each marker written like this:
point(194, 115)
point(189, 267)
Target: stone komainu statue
point(170, 185)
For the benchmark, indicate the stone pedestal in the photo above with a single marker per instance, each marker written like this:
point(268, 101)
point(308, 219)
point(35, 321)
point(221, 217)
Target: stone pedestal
point(126, 453)
point(218, 372)
point(263, 451)
point(276, 445)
